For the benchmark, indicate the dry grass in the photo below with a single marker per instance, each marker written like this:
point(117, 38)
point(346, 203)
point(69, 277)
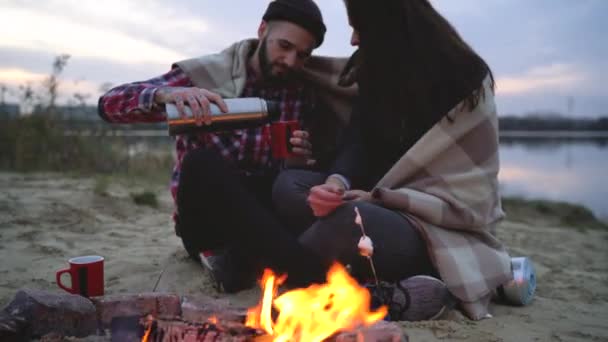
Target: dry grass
point(560, 213)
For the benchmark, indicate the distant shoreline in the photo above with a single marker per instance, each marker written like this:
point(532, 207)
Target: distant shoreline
point(553, 134)
point(532, 134)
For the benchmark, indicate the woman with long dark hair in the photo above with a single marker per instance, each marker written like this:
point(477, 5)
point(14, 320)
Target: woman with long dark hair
point(421, 160)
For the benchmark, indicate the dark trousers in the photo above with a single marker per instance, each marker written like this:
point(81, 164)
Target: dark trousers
point(218, 207)
point(399, 249)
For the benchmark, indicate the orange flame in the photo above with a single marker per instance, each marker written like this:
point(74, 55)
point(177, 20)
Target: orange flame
point(260, 316)
point(315, 313)
point(147, 334)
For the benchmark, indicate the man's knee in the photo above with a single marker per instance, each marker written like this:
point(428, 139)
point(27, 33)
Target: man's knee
point(201, 158)
point(285, 186)
point(292, 186)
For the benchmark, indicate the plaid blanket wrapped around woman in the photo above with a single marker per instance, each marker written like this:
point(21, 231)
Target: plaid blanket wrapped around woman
point(447, 185)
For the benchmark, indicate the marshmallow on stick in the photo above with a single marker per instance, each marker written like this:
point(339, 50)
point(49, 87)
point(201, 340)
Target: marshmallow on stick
point(366, 246)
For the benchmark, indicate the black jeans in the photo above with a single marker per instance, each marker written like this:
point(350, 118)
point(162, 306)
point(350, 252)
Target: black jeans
point(218, 207)
point(399, 249)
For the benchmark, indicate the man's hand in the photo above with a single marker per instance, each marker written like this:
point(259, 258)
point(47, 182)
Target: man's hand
point(197, 99)
point(325, 198)
point(357, 195)
point(302, 150)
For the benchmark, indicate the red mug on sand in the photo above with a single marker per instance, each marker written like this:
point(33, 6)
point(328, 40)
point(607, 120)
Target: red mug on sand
point(280, 133)
point(86, 273)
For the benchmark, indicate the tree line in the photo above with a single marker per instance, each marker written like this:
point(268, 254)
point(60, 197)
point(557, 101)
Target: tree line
point(552, 123)
point(44, 101)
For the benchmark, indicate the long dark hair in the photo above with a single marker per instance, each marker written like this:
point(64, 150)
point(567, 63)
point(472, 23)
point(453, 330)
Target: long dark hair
point(413, 65)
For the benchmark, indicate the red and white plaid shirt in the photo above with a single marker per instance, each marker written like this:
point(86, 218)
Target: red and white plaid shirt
point(248, 149)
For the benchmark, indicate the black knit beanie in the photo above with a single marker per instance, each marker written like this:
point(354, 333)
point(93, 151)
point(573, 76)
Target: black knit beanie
point(304, 13)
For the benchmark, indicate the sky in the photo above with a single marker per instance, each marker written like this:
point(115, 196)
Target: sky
point(547, 55)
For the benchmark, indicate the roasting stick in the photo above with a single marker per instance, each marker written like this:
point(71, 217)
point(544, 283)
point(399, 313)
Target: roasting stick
point(366, 248)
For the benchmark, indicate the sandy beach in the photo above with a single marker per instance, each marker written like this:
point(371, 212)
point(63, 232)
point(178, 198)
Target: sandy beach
point(47, 218)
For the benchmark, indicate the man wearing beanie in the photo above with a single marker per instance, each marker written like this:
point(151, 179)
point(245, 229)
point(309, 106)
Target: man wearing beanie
point(222, 181)
point(303, 13)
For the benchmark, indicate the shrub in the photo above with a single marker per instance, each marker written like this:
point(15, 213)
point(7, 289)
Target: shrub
point(147, 198)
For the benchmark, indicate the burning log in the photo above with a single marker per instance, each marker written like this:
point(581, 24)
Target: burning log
point(161, 305)
point(150, 329)
point(167, 331)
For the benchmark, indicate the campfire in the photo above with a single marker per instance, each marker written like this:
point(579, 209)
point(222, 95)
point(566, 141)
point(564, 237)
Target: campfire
point(308, 314)
point(314, 313)
point(337, 311)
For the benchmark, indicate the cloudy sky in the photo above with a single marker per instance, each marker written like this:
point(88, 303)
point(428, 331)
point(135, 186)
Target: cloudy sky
point(547, 55)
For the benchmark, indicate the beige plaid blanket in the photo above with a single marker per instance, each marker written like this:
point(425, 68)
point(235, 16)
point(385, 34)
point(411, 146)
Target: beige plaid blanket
point(447, 184)
point(225, 73)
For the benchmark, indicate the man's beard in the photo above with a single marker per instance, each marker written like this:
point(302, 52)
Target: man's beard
point(266, 66)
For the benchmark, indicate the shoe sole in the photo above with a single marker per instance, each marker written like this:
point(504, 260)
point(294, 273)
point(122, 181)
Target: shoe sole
point(440, 289)
point(446, 300)
point(217, 285)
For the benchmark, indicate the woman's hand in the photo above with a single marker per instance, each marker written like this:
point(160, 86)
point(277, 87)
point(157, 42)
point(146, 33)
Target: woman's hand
point(325, 198)
point(357, 195)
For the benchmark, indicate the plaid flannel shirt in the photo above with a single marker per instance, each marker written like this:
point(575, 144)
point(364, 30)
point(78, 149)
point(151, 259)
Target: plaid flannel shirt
point(248, 149)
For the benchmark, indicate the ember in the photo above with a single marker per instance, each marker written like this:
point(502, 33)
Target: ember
point(314, 313)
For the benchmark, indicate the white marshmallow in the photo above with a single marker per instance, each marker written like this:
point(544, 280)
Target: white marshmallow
point(366, 246)
point(358, 217)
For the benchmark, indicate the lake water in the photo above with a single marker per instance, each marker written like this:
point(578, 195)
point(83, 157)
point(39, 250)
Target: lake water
point(570, 170)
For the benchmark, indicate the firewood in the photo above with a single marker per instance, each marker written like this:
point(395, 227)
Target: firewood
point(161, 330)
point(12, 328)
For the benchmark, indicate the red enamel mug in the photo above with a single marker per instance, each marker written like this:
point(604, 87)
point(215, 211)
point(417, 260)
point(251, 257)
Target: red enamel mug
point(86, 273)
point(280, 133)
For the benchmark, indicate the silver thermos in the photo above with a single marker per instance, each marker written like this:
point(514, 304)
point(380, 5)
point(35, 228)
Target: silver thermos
point(242, 113)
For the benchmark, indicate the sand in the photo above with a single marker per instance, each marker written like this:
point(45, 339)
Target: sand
point(47, 218)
